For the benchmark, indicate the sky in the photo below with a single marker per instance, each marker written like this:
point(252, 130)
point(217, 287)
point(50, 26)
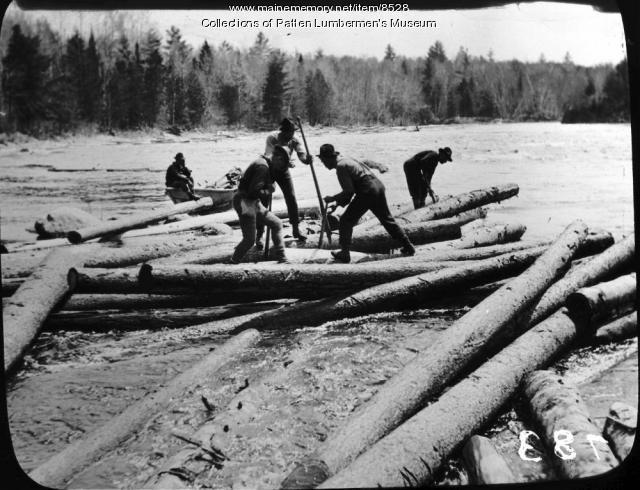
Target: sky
point(523, 32)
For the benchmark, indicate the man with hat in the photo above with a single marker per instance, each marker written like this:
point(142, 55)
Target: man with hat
point(419, 170)
point(254, 189)
point(285, 139)
point(179, 176)
point(362, 191)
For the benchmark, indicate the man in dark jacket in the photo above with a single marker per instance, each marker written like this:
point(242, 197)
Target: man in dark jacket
point(285, 139)
point(254, 188)
point(179, 176)
point(362, 191)
point(419, 170)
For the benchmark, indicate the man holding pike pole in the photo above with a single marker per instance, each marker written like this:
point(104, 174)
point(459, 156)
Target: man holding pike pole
point(361, 191)
point(285, 139)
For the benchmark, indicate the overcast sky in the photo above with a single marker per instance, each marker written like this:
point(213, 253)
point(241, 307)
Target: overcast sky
point(514, 31)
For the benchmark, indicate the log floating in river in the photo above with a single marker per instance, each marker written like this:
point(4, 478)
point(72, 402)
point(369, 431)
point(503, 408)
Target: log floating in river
point(124, 224)
point(557, 406)
point(59, 469)
point(433, 368)
point(32, 302)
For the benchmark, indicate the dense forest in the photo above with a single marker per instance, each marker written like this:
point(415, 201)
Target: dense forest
point(127, 80)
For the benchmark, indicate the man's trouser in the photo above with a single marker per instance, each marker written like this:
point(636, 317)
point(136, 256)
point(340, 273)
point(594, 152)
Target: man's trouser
point(285, 182)
point(417, 186)
point(372, 198)
point(252, 212)
point(185, 186)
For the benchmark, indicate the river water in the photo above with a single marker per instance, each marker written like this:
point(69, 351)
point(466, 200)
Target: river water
point(75, 381)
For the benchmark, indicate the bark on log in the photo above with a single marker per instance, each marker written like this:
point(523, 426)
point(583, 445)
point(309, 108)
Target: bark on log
point(124, 224)
point(484, 463)
point(118, 281)
point(469, 338)
point(155, 319)
point(612, 259)
point(620, 429)
point(479, 237)
point(379, 241)
point(32, 302)
point(453, 205)
point(413, 453)
point(196, 223)
point(283, 280)
point(558, 407)
point(124, 302)
point(588, 301)
point(59, 469)
point(620, 329)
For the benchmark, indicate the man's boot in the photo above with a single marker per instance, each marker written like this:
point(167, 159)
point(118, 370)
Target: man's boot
point(407, 247)
point(297, 234)
point(281, 257)
point(341, 256)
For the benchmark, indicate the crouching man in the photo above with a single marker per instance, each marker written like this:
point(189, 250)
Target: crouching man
point(254, 189)
point(358, 182)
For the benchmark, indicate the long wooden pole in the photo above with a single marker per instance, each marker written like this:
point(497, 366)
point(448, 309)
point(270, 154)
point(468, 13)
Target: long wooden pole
point(323, 209)
point(59, 469)
point(124, 224)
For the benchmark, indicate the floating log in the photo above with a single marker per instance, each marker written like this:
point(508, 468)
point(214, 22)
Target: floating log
point(83, 302)
point(620, 329)
point(484, 464)
point(38, 245)
point(32, 302)
point(469, 338)
point(557, 406)
point(299, 280)
point(218, 254)
point(154, 319)
point(620, 429)
point(379, 241)
point(306, 208)
point(213, 227)
point(586, 301)
point(117, 281)
point(413, 453)
point(612, 259)
point(59, 469)
point(413, 290)
point(503, 233)
point(453, 205)
point(369, 220)
point(124, 224)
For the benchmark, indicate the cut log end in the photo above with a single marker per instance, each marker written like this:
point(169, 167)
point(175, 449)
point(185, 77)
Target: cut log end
point(308, 474)
point(74, 237)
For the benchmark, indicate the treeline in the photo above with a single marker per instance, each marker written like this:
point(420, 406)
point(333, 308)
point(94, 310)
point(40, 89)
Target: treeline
point(51, 85)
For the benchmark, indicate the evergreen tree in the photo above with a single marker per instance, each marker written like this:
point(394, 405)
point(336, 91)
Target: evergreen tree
point(23, 80)
point(318, 100)
point(229, 99)
point(153, 76)
point(74, 68)
point(92, 90)
point(195, 99)
point(177, 58)
point(389, 53)
point(275, 88)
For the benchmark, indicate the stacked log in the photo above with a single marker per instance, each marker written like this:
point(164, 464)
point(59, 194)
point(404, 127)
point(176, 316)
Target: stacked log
point(620, 429)
point(619, 329)
point(485, 465)
point(470, 337)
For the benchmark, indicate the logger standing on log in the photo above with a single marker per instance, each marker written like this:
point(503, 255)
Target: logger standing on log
point(179, 176)
point(254, 189)
point(285, 139)
point(356, 178)
point(419, 170)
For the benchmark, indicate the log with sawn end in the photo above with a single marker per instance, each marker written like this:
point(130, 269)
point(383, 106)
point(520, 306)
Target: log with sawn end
point(620, 329)
point(468, 339)
point(137, 221)
point(484, 463)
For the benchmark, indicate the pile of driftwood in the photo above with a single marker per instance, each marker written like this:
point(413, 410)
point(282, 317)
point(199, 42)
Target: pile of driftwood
point(546, 296)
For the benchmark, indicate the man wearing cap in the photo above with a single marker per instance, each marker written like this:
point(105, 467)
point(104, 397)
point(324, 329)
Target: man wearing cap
point(358, 182)
point(285, 139)
point(254, 188)
point(179, 176)
point(419, 170)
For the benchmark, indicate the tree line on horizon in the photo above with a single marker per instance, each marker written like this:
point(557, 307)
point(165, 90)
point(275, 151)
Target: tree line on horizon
point(52, 85)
